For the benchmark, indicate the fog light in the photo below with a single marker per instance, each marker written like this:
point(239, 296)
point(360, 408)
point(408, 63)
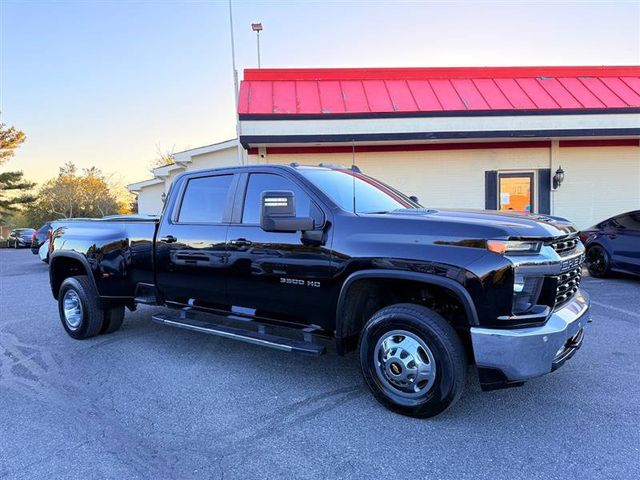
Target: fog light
point(526, 291)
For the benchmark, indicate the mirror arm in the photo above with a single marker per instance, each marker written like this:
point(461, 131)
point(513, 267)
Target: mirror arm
point(313, 237)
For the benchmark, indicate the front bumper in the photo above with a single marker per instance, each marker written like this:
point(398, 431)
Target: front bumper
point(508, 356)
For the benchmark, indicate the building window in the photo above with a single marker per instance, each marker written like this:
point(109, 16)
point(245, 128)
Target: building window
point(516, 191)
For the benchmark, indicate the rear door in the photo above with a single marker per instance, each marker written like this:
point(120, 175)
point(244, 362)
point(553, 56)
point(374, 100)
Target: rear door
point(191, 261)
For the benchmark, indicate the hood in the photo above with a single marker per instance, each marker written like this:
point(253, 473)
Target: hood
point(503, 224)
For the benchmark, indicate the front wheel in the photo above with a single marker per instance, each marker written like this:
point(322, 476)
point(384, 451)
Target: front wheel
point(412, 360)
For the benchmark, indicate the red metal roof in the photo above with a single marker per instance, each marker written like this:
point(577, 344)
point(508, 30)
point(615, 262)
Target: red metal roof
point(362, 91)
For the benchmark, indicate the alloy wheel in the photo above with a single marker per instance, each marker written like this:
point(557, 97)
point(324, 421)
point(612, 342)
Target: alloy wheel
point(72, 307)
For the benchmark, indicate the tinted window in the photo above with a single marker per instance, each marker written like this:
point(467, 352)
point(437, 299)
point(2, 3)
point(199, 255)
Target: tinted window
point(370, 196)
point(629, 222)
point(205, 199)
point(259, 182)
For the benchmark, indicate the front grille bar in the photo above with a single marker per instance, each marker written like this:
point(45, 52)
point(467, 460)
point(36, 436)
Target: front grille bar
point(566, 246)
point(568, 283)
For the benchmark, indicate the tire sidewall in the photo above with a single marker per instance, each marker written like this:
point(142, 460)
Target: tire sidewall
point(82, 330)
point(440, 396)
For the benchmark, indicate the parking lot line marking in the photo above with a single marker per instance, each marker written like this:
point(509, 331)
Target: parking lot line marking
point(621, 310)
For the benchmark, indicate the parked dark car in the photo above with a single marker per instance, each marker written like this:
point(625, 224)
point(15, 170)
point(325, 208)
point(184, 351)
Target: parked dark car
point(613, 245)
point(39, 237)
point(20, 237)
point(290, 257)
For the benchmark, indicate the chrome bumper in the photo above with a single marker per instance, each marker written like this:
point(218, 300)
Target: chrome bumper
point(524, 353)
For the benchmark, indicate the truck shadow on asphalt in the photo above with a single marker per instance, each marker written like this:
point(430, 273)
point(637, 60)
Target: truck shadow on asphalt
point(327, 376)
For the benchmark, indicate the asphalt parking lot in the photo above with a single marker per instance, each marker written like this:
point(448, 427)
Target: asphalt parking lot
point(154, 402)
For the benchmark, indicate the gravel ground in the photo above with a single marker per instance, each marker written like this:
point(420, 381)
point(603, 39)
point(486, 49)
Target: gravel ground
point(154, 402)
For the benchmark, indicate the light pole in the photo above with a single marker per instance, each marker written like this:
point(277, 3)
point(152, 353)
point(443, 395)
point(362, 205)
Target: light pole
point(235, 84)
point(257, 27)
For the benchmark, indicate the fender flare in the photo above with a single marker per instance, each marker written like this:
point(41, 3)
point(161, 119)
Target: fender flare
point(75, 256)
point(455, 287)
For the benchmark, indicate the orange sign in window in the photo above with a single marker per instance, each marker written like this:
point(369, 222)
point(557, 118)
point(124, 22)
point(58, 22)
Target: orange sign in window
point(516, 192)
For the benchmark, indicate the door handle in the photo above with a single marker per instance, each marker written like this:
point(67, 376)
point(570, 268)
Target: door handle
point(169, 239)
point(241, 242)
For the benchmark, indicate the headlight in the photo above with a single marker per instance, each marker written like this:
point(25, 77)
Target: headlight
point(513, 247)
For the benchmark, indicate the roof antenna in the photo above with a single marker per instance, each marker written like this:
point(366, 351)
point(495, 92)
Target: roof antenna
point(354, 169)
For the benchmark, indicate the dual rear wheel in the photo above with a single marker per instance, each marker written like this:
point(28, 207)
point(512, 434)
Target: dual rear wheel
point(80, 313)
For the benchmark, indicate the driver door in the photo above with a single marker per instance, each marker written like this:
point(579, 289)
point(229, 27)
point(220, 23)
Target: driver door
point(277, 274)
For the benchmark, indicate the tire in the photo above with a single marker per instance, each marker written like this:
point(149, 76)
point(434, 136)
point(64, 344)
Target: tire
point(88, 318)
point(112, 319)
point(598, 262)
point(445, 358)
point(15, 245)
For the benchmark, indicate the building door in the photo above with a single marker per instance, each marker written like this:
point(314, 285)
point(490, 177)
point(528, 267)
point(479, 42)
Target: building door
point(516, 192)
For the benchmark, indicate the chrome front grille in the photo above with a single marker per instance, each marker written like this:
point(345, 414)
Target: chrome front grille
point(565, 246)
point(568, 283)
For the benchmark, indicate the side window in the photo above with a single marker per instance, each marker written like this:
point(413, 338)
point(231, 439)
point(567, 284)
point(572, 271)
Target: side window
point(259, 182)
point(629, 222)
point(205, 199)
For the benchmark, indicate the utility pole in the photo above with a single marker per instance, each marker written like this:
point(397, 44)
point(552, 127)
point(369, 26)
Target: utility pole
point(257, 27)
point(235, 84)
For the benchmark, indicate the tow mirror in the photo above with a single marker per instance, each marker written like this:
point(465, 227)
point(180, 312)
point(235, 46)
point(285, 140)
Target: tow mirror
point(278, 213)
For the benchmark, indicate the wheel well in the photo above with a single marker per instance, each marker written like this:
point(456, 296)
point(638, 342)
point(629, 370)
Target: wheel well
point(366, 296)
point(62, 268)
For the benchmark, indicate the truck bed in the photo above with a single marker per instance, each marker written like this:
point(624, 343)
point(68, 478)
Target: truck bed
point(117, 250)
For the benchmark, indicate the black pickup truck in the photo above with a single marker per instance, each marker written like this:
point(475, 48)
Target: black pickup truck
point(300, 257)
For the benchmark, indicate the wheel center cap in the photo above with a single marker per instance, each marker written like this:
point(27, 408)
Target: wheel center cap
point(395, 368)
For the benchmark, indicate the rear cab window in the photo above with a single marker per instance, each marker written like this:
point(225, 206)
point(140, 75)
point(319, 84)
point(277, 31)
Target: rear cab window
point(205, 199)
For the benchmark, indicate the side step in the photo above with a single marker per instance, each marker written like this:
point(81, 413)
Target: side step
point(146, 300)
point(244, 331)
point(146, 294)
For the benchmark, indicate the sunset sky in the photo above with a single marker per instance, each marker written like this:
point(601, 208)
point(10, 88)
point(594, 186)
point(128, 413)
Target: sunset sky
point(107, 83)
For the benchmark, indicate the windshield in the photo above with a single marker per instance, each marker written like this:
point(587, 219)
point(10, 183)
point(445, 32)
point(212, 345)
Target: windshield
point(25, 231)
point(371, 196)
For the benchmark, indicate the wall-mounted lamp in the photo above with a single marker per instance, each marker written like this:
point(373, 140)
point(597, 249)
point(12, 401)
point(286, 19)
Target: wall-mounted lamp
point(558, 178)
point(164, 196)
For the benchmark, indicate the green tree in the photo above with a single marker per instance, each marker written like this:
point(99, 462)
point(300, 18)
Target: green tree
point(13, 187)
point(13, 183)
point(73, 194)
point(10, 139)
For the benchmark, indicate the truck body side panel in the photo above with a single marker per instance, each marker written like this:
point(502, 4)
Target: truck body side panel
point(119, 253)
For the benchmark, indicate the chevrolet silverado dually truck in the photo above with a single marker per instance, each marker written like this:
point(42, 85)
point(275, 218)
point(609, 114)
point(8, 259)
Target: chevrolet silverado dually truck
point(299, 258)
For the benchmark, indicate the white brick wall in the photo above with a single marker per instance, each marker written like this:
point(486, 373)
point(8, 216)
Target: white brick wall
point(150, 199)
point(599, 182)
